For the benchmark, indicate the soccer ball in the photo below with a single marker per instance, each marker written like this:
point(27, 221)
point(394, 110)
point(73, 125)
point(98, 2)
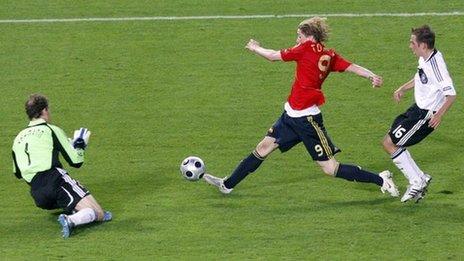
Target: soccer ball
point(192, 168)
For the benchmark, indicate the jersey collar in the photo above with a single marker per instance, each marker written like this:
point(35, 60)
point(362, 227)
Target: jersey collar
point(431, 55)
point(312, 42)
point(36, 122)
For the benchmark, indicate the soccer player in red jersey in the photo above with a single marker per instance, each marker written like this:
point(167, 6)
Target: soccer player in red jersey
point(302, 119)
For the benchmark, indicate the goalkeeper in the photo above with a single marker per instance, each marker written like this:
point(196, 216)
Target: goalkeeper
point(35, 158)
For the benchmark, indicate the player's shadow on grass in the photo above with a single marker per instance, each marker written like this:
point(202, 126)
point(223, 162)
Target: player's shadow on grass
point(363, 202)
point(428, 208)
point(433, 211)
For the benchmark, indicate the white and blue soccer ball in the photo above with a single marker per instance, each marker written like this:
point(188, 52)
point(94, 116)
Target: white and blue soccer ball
point(192, 168)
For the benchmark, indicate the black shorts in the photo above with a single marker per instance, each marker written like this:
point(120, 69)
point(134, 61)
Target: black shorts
point(54, 188)
point(310, 130)
point(411, 127)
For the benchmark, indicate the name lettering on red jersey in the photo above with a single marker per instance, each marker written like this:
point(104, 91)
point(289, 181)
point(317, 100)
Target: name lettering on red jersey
point(313, 65)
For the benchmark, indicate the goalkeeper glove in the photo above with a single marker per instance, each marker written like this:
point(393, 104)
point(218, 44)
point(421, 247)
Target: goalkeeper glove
point(81, 138)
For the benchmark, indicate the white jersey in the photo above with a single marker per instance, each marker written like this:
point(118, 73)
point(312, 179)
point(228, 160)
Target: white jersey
point(432, 82)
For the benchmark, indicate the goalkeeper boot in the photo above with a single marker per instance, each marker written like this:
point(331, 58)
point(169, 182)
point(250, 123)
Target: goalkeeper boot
point(66, 225)
point(107, 216)
point(388, 184)
point(218, 182)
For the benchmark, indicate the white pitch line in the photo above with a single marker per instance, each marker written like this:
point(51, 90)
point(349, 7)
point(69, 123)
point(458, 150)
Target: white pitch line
point(215, 17)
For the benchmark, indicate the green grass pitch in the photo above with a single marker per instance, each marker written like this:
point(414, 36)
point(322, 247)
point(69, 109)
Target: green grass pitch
point(155, 92)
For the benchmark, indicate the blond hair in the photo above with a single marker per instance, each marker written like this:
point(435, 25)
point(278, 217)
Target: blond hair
point(316, 27)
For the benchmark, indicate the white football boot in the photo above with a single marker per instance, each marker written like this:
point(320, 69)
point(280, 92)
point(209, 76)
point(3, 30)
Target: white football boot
point(414, 191)
point(428, 180)
point(388, 184)
point(218, 182)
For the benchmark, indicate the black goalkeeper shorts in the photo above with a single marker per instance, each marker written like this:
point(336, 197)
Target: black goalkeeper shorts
point(54, 189)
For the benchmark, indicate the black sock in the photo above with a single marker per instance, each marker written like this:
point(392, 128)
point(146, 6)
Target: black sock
point(355, 173)
point(247, 166)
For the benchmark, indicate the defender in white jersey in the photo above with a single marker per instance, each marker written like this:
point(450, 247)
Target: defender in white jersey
point(433, 93)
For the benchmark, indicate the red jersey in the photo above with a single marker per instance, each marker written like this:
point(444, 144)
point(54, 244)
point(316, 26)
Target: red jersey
point(313, 65)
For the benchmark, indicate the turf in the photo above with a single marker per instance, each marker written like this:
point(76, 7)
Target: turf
point(155, 92)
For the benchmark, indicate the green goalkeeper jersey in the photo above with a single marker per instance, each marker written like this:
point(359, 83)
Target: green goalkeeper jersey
point(36, 149)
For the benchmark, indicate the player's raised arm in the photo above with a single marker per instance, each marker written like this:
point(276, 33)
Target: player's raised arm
point(376, 80)
point(269, 54)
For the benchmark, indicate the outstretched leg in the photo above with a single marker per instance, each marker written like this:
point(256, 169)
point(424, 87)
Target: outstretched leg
point(355, 173)
point(246, 166)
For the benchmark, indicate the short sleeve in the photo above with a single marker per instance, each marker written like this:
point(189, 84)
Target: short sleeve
point(339, 64)
point(448, 89)
point(292, 54)
point(444, 80)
